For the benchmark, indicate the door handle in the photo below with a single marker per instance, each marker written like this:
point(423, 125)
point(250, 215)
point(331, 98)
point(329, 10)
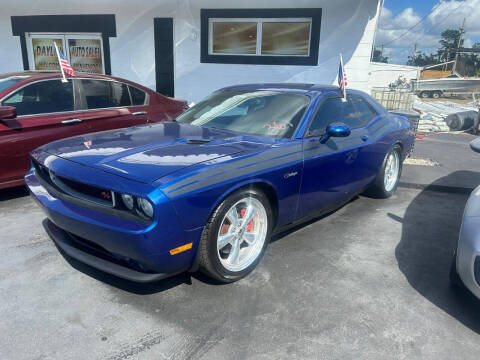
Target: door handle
point(71, 121)
point(139, 113)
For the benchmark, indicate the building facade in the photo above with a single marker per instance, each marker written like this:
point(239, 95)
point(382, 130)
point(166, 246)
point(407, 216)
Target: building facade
point(188, 48)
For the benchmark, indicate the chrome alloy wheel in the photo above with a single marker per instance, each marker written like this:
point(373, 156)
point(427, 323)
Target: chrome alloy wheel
point(392, 169)
point(242, 234)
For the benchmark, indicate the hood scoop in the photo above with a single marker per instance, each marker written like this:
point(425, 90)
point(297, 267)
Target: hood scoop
point(197, 141)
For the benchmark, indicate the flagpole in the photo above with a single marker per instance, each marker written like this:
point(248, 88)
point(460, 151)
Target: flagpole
point(64, 79)
point(344, 91)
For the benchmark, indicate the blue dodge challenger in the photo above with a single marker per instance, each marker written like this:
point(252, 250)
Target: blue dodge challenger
point(207, 191)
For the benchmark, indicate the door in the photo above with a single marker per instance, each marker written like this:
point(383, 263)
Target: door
point(332, 171)
point(46, 111)
point(111, 105)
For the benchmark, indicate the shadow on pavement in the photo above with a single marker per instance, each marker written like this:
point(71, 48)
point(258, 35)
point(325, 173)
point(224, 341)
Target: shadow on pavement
point(431, 225)
point(129, 286)
point(12, 193)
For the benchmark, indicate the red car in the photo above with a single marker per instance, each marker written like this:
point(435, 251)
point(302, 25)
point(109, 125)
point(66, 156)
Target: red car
point(37, 108)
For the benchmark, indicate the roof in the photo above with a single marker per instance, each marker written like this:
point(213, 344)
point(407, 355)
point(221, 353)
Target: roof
point(45, 75)
point(297, 87)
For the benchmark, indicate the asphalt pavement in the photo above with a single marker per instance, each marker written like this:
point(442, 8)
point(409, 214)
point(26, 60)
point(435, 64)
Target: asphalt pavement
point(369, 281)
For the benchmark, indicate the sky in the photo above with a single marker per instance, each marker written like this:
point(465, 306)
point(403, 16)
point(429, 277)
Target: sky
point(399, 15)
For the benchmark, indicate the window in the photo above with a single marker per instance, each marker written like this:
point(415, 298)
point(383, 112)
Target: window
point(138, 96)
point(84, 52)
point(355, 113)
point(101, 94)
point(364, 112)
point(330, 111)
point(42, 97)
point(266, 113)
point(260, 36)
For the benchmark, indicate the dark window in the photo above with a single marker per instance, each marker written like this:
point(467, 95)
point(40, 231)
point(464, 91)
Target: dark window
point(330, 111)
point(364, 112)
point(138, 96)
point(101, 94)
point(42, 97)
point(355, 113)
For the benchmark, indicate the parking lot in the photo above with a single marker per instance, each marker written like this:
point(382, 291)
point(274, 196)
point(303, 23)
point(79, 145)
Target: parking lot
point(367, 281)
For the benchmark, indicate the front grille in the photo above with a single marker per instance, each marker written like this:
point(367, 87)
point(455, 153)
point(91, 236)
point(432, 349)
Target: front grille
point(74, 188)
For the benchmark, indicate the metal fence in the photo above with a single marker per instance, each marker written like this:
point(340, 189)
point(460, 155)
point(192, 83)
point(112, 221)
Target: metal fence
point(394, 99)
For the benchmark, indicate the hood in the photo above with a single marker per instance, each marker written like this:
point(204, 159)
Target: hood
point(147, 153)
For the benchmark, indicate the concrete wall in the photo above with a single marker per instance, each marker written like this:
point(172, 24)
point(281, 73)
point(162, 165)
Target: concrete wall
point(382, 75)
point(348, 26)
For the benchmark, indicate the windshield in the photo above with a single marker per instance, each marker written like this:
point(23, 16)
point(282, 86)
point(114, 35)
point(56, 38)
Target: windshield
point(259, 112)
point(5, 83)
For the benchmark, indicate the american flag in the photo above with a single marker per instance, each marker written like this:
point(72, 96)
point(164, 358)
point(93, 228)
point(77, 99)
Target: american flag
point(64, 64)
point(342, 79)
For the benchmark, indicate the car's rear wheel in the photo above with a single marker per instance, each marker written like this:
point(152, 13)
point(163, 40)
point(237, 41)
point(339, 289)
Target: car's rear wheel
point(387, 179)
point(235, 236)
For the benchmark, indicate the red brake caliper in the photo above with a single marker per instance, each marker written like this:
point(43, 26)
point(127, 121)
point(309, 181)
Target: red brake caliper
point(250, 224)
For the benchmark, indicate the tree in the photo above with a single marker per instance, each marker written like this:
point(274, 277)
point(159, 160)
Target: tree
point(448, 42)
point(422, 59)
point(377, 56)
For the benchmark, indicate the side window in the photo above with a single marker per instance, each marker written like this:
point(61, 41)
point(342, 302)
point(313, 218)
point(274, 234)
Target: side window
point(101, 94)
point(363, 112)
point(138, 96)
point(42, 97)
point(330, 111)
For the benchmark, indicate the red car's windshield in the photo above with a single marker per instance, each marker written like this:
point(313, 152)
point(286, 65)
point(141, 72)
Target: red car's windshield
point(6, 82)
point(256, 112)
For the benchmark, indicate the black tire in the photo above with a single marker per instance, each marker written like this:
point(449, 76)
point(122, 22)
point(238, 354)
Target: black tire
point(436, 94)
point(209, 262)
point(455, 279)
point(425, 94)
point(377, 189)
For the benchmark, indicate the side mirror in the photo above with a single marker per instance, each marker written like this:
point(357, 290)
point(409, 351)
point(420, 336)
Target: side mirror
point(8, 112)
point(335, 130)
point(475, 145)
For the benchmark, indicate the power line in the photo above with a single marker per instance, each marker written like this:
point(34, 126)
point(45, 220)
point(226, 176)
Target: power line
point(422, 19)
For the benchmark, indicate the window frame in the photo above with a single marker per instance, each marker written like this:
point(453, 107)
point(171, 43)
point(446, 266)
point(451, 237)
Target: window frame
point(79, 103)
point(209, 16)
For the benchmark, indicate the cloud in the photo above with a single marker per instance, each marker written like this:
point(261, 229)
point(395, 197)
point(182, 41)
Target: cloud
point(446, 14)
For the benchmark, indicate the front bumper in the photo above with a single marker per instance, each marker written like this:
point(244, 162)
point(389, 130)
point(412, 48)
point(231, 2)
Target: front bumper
point(125, 248)
point(467, 253)
point(67, 243)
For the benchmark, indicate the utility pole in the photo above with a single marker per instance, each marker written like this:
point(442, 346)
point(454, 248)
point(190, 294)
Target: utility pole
point(414, 52)
point(462, 31)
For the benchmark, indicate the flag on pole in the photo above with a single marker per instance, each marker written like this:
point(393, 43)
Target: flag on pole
point(342, 79)
point(64, 64)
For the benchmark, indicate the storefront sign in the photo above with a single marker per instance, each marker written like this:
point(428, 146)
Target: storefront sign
point(86, 55)
point(44, 54)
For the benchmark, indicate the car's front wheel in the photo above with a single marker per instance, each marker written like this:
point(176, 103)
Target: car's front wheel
point(387, 179)
point(235, 236)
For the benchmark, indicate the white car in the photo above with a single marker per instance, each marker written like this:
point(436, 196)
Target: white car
point(466, 263)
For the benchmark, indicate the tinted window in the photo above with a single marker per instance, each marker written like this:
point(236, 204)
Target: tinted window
point(138, 96)
point(330, 111)
point(101, 94)
point(364, 112)
point(355, 112)
point(260, 112)
point(42, 97)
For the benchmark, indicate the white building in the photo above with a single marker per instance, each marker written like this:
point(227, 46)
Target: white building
point(382, 74)
point(188, 48)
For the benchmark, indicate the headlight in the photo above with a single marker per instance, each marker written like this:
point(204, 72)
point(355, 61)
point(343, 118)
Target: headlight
point(127, 201)
point(146, 207)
